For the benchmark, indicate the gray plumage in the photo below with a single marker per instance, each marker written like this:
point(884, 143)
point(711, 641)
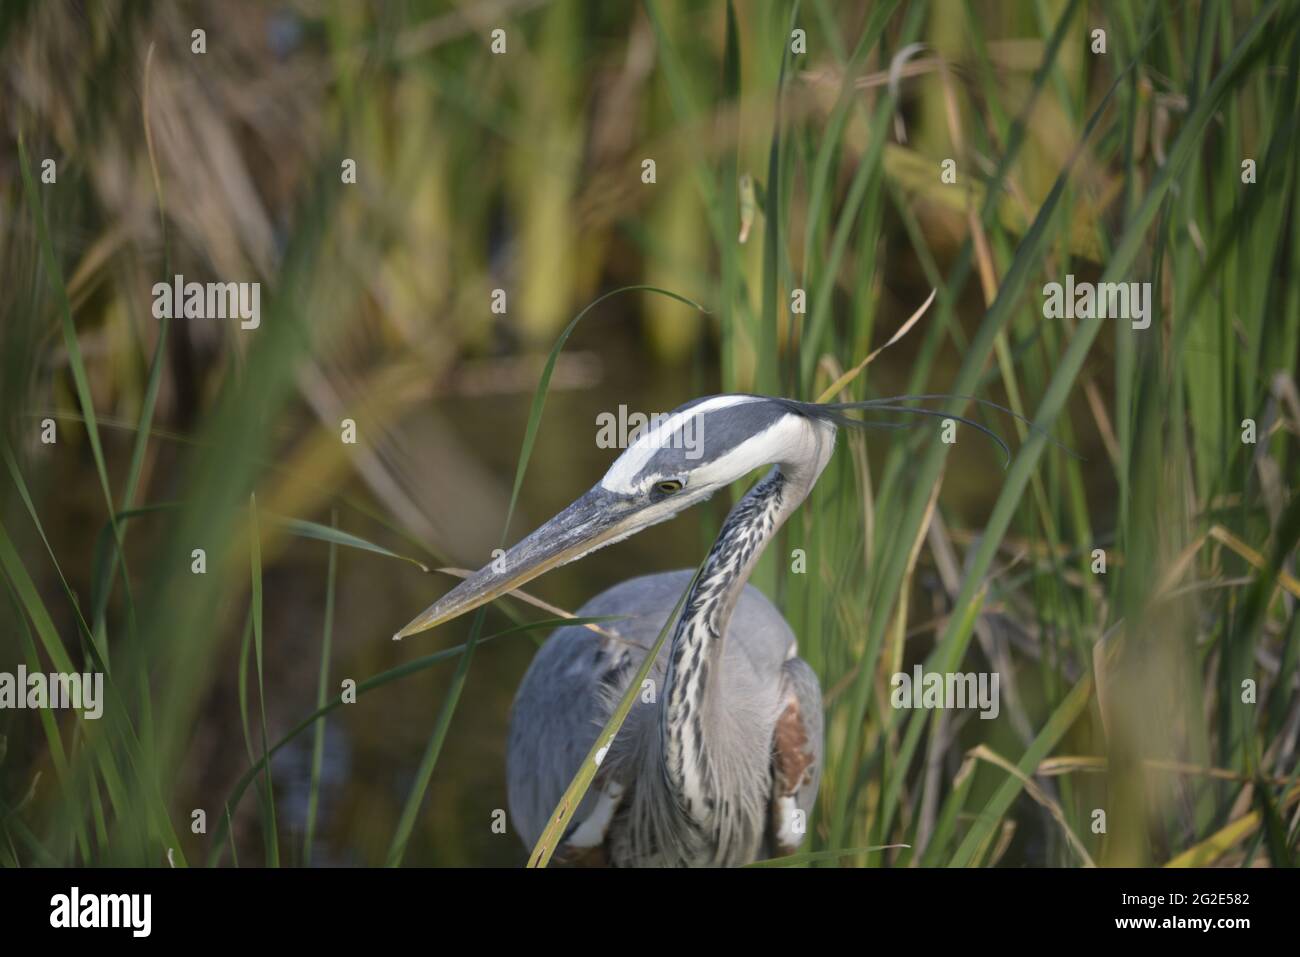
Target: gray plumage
point(720, 758)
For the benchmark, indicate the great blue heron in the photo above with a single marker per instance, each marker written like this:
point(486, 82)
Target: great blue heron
point(721, 767)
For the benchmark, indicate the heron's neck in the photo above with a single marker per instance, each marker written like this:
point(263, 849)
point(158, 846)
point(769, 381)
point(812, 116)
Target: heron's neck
point(694, 659)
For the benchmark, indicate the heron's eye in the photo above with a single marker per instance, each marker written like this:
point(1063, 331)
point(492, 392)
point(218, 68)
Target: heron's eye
point(668, 486)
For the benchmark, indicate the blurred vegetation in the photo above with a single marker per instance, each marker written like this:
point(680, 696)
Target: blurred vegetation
point(776, 171)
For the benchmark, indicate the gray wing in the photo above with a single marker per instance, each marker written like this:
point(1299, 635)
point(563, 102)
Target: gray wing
point(796, 756)
point(556, 716)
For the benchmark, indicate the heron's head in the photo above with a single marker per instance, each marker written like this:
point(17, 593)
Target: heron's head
point(679, 461)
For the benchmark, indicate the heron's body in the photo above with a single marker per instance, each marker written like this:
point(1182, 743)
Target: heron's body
point(759, 676)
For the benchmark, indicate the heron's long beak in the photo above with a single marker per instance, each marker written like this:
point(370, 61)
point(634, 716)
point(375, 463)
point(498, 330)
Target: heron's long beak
point(595, 519)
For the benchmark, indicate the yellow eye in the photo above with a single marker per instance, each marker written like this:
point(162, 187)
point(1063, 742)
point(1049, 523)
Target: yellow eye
point(668, 486)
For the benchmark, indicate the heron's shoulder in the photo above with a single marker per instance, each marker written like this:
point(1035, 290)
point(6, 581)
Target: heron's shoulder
point(648, 600)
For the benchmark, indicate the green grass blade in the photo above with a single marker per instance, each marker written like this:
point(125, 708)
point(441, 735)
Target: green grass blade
point(577, 789)
point(543, 384)
point(255, 556)
point(322, 681)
